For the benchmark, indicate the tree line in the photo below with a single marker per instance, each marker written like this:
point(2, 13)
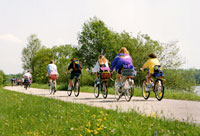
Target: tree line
point(96, 38)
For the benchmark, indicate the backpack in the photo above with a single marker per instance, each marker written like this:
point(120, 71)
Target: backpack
point(158, 72)
point(78, 63)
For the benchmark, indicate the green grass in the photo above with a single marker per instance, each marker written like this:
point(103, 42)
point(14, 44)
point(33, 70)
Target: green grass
point(23, 114)
point(169, 94)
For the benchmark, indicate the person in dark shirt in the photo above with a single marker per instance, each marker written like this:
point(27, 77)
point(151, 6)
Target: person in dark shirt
point(76, 66)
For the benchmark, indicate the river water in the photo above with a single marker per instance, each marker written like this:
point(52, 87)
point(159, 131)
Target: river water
point(197, 90)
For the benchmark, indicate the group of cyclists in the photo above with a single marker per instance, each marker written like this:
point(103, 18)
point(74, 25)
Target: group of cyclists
point(26, 79)
point(122, 61)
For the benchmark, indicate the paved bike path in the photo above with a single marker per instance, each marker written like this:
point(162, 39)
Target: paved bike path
point(173, 109)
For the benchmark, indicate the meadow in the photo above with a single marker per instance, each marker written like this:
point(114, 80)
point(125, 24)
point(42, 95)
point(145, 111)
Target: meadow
point(23, 114)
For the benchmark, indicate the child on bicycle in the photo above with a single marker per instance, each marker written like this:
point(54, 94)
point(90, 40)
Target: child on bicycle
point(76, 67)
point(122, 61)
point(52, 72)
point(101, 65)
point(150, 63)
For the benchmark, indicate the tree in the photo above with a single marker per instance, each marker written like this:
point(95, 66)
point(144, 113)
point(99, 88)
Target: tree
point(179, 79)
point(62, 55)
point(95, 39)
point(169, 56)
point(39, 62)
point(2, 77)
point(28, 53)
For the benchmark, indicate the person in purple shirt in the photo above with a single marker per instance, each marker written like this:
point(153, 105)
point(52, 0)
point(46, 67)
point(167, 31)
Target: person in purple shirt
point(122, 61)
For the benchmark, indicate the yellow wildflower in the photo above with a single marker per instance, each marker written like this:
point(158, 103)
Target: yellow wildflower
point(99, 129)
point(148, 115)
point(153, 114)
point(94, 116)
point(95, 132)
point(89, 130)
point(99, 120)
point(89, 124)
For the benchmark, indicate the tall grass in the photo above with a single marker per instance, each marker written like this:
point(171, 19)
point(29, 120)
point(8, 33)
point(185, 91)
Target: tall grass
point(23, 114)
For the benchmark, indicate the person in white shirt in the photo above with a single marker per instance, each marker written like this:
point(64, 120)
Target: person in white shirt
point(27, 77)
point(52, 72)
point(101, 63)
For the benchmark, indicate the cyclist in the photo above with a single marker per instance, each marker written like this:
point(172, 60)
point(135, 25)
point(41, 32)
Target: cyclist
point(13, 80)
point(76, 66)
point(101, 65)
point(122, 61)
point(150, 63)
point(52, 72)
point(27, 78)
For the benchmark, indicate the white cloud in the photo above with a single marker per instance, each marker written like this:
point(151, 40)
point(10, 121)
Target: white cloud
point(10, 38)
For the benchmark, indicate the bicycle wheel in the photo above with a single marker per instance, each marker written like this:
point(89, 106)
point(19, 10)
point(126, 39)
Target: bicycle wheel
point(104, 90)
point(129, 90)
point(96, 90)
point(145, 93)
point(52, 87)
point(69, 92)
point(26, 86)
point(118, 93)
point(76, 88)
point(159, 89)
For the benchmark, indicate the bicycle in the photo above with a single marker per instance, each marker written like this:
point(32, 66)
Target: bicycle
point(26, 83)
point(127, 86)
point(157, 86)
point(75, 87)
point(102, 85)
point(52, 86)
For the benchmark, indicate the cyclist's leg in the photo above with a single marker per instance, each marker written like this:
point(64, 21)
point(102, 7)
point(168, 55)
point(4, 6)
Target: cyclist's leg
point(55, 83)
point(97, 78)
point(70, 81)
point(118, 76)
point(77, 75)
point(149, 75)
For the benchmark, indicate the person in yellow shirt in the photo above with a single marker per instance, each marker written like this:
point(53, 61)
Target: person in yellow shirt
point(150, 63)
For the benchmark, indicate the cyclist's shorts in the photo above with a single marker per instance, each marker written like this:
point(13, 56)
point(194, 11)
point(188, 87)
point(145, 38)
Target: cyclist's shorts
point(119, 71)
point(54, 76)
point(74, 74)
point(26, 80)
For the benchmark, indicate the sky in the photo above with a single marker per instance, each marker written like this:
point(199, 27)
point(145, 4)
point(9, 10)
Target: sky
point(57, 22)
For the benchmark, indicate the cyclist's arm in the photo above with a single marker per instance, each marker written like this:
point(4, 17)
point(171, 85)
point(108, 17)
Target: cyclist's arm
point(96, 67)
point(70, 67)
point(146, 65)
point(114, 63)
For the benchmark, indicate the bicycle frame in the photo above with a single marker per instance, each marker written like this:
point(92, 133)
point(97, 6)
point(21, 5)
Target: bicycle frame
point(101, 87)
point(123, 90)
point(74, 87)
point(52, 86)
